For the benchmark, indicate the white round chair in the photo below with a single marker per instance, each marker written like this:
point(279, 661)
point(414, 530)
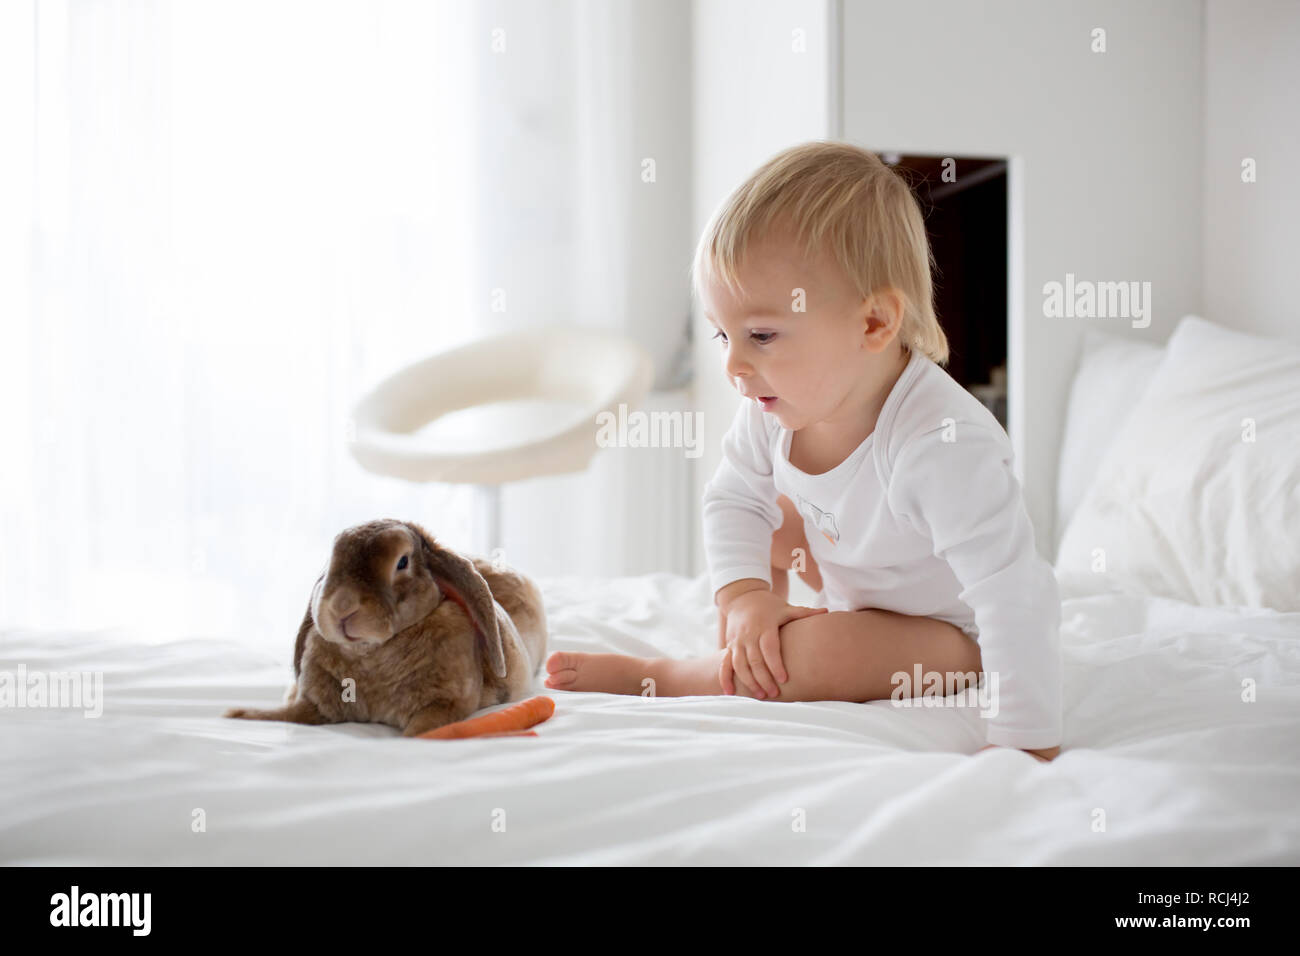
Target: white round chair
point(521, 404)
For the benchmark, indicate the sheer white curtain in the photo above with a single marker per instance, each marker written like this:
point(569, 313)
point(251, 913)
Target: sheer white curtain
point(224, 219)
point(585, 146)
point(229, 218)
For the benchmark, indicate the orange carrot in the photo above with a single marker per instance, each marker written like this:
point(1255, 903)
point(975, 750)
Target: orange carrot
point(510, 720)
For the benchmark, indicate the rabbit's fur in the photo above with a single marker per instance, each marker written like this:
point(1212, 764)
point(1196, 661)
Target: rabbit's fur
point(426, 644)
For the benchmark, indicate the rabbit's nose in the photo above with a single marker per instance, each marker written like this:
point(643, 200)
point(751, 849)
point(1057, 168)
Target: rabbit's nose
point(344, 604)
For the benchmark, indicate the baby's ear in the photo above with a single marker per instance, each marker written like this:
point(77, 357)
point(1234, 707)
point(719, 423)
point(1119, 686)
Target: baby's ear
point(884, 313)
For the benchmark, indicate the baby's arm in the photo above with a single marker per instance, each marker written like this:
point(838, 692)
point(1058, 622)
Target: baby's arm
point(735, 589)
point(729, 593)
point(964, 495)
point(740, 510)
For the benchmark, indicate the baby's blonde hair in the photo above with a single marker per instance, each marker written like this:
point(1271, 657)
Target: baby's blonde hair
point(840, 198)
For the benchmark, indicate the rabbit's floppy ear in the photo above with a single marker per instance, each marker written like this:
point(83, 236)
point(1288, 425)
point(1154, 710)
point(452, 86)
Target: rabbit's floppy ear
point(305, 627)
point(460, 581)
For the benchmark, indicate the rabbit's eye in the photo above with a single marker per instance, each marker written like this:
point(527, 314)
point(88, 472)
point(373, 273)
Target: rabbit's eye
point(401, 565)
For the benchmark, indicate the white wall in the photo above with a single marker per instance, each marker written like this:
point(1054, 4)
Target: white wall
point(1126, 164)
point(1252, 230)
point(1106, 151)
point(753, 96)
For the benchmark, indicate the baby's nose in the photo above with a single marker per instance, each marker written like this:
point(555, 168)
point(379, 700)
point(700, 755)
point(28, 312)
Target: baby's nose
point(735, 365)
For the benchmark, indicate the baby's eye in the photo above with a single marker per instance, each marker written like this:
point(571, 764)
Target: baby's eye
point(762, 338)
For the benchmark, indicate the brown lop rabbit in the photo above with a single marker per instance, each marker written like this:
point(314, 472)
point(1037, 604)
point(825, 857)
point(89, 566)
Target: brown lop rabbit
point(379, 615)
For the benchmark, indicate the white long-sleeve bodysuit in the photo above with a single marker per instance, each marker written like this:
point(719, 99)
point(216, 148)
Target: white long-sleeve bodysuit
point(925, 518)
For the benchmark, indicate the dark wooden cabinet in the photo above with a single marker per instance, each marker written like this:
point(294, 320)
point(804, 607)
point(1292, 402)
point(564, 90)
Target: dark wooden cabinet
point(966, 220)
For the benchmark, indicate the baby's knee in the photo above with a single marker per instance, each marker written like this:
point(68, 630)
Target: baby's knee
point(794, 687)
point(814, 652)
point(742, 689)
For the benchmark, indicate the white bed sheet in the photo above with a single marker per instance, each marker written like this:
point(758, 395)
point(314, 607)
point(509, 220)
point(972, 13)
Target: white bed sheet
point(1157, 736)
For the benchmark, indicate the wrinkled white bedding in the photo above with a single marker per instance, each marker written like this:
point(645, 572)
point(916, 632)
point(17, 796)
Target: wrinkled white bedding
point(1157, 737)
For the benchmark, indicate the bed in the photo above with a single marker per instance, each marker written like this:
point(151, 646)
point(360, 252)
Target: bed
point(1182, 746)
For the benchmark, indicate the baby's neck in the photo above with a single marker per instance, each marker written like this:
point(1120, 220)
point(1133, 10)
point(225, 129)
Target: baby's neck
point(817, 448)
point(856, 418)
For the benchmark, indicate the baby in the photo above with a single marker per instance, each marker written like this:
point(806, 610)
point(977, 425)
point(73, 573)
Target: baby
point(857, 461)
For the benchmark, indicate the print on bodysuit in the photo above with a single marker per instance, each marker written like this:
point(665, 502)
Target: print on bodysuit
point(824, 521)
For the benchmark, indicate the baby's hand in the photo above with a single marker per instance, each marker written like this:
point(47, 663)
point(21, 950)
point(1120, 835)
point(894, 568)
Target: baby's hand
point(752, 624)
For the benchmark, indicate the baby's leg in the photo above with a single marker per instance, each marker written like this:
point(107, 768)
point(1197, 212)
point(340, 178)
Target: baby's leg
point(644, 676)
point(855, 655)
point(840, 655)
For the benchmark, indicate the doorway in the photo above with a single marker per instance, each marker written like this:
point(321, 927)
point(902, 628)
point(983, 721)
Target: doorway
point(964, 202)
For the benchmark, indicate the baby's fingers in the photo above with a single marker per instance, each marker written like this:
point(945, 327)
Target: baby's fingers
point(754, 672)
point(748, 662)
point(795, 611)
point(765, 682)
point(724, 674)
point(771, 647)
point(741, 661)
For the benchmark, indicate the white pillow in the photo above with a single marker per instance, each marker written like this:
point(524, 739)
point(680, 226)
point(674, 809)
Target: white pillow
point(1198, 496)
point(1113, 373)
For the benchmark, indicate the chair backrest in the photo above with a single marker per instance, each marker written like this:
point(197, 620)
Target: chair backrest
point(591, 369)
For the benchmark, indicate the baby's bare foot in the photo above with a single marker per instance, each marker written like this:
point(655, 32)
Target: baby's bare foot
point(606, 673)
point(642, 676)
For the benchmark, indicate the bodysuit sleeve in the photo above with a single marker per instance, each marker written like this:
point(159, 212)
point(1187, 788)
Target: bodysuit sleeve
point(964, 495)
point(740, 507)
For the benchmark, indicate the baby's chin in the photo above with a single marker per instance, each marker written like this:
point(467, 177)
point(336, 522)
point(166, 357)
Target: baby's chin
point(788, 416)
point(785, 413)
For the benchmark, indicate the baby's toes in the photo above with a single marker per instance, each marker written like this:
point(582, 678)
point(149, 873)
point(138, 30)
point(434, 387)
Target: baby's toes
point(562, 669)
point(560, 661)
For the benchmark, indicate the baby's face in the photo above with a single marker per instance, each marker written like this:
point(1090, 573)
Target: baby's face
point(808, 361)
